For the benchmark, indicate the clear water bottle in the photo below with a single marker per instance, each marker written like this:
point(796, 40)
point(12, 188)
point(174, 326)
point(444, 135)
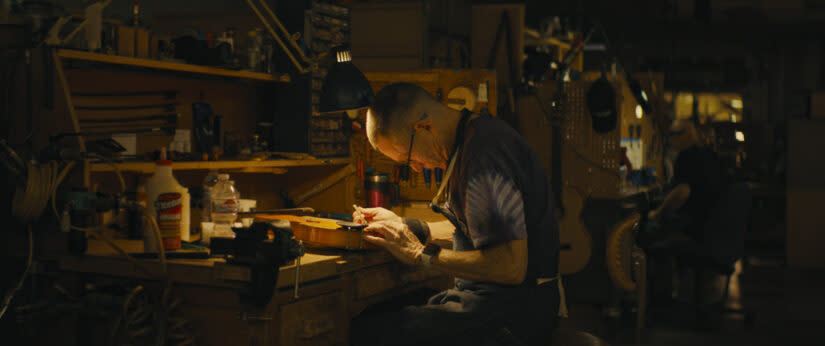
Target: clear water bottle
point(208, 185)
point(225, 202)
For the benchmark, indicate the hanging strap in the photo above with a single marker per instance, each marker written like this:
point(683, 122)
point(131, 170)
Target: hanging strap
point(562, 296)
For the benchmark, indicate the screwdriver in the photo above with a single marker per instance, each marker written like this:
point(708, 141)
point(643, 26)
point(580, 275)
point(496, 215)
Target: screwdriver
point(438, 174)
point(427, 176)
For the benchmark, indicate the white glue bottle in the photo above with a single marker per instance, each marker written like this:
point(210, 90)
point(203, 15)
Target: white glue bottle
point(168, 202)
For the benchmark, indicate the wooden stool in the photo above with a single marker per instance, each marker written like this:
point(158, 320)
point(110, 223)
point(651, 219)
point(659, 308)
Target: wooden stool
point(576, 338)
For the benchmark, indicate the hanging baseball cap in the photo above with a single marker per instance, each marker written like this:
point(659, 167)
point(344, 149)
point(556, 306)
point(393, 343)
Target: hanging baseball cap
point(601, 102)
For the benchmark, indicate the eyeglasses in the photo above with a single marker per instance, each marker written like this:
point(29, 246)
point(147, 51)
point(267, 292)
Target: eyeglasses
point(405, 170)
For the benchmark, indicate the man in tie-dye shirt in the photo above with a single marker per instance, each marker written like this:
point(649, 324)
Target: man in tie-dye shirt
point(501, 239)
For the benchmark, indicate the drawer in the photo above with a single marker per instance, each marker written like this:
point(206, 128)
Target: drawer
point(314, 321)
point(376, 280)
point(388, 277)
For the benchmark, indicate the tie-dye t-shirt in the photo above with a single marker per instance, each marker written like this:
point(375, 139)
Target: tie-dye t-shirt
point(500, 192)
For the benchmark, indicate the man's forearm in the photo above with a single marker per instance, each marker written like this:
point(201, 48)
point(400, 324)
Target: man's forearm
point(676, 198)
point(441, 233)
point(504, 263)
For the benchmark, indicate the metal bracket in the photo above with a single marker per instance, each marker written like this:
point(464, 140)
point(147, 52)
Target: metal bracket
point(287, 36)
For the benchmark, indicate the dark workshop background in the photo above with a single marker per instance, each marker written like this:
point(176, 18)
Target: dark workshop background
point(770, 52)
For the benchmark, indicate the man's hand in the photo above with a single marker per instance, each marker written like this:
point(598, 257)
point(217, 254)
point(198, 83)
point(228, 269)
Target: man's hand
point(396, 238)
point(366, 216)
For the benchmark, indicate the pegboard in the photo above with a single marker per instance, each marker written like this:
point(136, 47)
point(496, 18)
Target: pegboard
point(437, 82)
point(590, 161)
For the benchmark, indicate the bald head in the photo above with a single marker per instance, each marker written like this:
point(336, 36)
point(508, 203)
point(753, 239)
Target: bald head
point(396, 108)
point(403, 109)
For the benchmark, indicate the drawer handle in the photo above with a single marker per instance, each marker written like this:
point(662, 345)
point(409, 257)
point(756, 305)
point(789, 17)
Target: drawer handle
point(315, 327)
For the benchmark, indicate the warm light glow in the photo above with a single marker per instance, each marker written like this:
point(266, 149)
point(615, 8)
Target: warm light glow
point(736, 103)
point(639, 112)
point(740, 136)
point(343, 56)
point(732, 118)
point(644, 95)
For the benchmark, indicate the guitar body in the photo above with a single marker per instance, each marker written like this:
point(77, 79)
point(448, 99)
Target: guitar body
point(619, 252)
point(576, 243)
point(319, 232)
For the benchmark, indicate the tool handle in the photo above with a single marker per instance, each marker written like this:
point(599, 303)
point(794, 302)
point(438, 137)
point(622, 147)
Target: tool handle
point(427, 176)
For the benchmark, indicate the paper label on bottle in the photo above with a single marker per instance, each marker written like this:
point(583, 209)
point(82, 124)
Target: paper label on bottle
point(169, 207)
point(225, 206)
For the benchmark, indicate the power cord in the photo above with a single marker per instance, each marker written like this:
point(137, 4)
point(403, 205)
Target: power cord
point(31, 197)
point(41, 183)
point(10, 295)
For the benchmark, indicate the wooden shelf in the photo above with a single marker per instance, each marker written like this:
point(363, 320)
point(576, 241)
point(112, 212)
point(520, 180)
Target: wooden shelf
point(169, 66)
point(149, 167)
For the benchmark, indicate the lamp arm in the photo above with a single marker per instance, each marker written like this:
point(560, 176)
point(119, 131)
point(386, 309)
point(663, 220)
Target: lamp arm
point(54, 32)
point(286, 33)
point(301, 68)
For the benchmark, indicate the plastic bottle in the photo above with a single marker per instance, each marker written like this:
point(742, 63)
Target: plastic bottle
point(208, 185)
point(168, 203)
point(224, 205)
point(186, 217)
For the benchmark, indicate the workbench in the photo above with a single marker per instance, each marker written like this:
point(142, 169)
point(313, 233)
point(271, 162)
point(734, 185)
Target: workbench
point(334, 286)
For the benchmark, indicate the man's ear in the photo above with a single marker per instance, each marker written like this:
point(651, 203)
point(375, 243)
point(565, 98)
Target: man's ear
point(423, 123)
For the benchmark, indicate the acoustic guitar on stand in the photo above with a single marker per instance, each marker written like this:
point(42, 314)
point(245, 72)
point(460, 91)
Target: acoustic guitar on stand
point(575, 242)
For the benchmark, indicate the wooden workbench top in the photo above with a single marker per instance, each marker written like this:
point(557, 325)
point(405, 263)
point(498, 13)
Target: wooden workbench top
point(315, 265)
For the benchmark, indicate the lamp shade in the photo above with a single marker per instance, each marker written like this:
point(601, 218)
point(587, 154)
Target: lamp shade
point(639, 94)
point(345, 87)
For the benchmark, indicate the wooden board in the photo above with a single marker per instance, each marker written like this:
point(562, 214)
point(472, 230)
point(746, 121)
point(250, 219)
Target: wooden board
point(149, 167)
point(102, 259)
point(485, 22)
point(237, 103)
point(168, 66)
point(379, 45)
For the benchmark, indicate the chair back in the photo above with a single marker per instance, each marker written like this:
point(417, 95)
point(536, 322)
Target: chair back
point(727, 224)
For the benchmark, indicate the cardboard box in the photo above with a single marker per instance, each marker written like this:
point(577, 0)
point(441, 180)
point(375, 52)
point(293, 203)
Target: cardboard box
point(142, 40)
point(125, 40)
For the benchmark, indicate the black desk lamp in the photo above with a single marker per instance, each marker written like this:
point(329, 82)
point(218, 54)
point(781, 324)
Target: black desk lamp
point(638, 93)
point(345, 87)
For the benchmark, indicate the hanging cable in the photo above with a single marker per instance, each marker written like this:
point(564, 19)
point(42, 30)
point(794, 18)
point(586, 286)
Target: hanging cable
point(10, 295)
